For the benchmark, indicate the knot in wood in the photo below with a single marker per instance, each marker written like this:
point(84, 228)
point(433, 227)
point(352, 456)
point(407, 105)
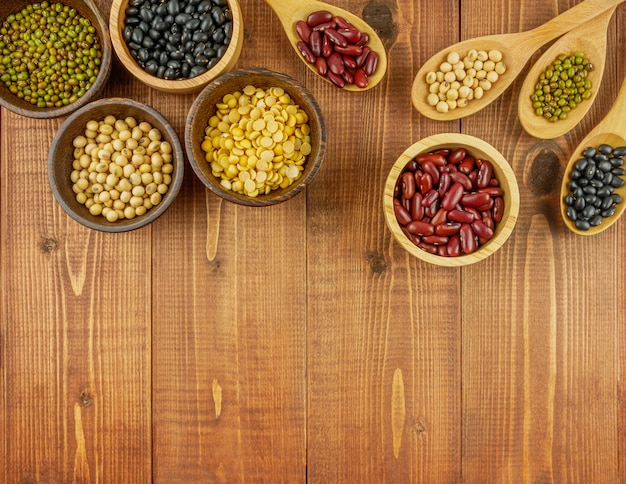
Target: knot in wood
point(379, 15)
point(543, 171)
point(48, 244)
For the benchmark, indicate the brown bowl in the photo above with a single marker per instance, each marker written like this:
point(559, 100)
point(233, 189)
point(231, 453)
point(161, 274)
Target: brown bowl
point(61, 153)
point(205, 106)
point(479, 149)
point(182, 86)
point(88, 10)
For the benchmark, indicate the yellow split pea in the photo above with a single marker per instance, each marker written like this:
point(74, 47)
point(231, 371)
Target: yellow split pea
point(257, 141)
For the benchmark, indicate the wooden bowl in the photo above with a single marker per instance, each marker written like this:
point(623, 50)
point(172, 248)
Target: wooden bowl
point(479, 149)
point(60, 157)
point(205, 106)
point(182, 86)
point(88, 10)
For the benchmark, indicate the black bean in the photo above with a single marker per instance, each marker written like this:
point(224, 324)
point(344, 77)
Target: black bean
point(204, 6)
point(174, 39)
point(151, 67)
point(143, 55)
point(189, 9)
point(132, 21)
point(218, 15)
point(608, 179)
point(617, 182)
point(132, 11)
point(610, 212)
point(221, 3)
point(161, 10)
point(589, 190)
point(147, 42)
point(177, 55)
point(605, 191)
point(154, 35)
point(173, 64)
point(571, 213)
point(210, 52)
point(161, 26)
point(196, 71)
point(218, 36)
point(221, 50)
point(206, 22)
point(161, 72)
point(169, 73)
point(228, 30)
point(163, 58)
point(605, 166)
point(596, 182)
point(590, 198)
point(582, 225)
point(618, 171)
point(607, 202)
point(605, 149)
point(137, 35)
point(127, 33)
point(569, 200)
point(621, 151)
point(617, 198)
point(182, 18)
point(589, 152)
point(595, 220)
point(588, 212)
point(581, 164)
point(185, 70)
point(146, 14)
point(580, 203)
point(173, 7)
point(199, 37)
point(192, 24)
point(134, 46)
point(201, 60)
point(590, 171)
point(582, 182)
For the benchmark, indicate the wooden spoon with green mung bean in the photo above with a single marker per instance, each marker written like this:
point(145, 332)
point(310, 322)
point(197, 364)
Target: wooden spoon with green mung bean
point(291, 11)
point(590, 40)
point(612, 131)
point(516, 48)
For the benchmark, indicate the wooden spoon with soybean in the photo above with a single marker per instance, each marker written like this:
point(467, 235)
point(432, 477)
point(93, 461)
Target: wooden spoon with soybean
point(516, 49)
point(590, 39)
point(291, 11)
point(612, 131)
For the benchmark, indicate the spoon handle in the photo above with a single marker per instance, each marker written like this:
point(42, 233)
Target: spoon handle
point(570, 19)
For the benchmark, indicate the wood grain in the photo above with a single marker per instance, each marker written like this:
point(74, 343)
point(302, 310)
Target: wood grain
point(300, 342)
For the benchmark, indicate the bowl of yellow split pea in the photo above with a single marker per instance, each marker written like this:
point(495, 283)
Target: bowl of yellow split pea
point(255, 137)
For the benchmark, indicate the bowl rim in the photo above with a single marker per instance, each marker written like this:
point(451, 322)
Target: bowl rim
point(178, 86)
point(128, 225)
point(210, 182)
point(91, 94)
point(505, 175)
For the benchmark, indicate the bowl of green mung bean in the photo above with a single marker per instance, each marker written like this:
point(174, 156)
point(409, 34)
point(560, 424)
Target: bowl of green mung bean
point(55, 57)
point(115, 165)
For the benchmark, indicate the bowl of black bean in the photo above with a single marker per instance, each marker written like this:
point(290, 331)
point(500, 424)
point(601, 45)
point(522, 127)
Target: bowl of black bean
point(177, 46)
point(55, 57)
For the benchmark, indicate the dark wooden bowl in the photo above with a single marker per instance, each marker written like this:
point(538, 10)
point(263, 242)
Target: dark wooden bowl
point(89, 10)
point(60, 159)
point(182, 86)
point(204, 107)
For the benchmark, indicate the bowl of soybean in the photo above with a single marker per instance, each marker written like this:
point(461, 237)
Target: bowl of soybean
point(177, 46)
point(55, 56)
point(74, 165)
point(255, 137)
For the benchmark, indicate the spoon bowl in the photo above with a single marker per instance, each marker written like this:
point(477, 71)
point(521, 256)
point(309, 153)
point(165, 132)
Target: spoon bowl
point(294, 10)
point(516, 48)
point(606, 131)
point(590, 39)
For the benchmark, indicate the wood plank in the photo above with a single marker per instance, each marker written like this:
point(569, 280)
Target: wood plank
point(229, 376)
point(383, 405)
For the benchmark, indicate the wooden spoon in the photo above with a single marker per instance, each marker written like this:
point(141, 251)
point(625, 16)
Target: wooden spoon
point(516, 48)
point(589, 38)
point(289, 12)
point(612, 131)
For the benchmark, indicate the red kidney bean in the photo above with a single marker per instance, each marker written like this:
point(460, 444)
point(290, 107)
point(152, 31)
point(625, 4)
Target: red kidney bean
point(411, 166)
point(417, 210)
point(408, 185)
point(406, 203)
point(365, 38)
point(475, 199)
point(486, 207)
point(347, 76)
point(430, 197)
point(336, 37)
point(481, 229)
point(360, 79)
point(448, 228)
point(319, 17)
point(403, 216)
point(453, 196)
point(461, 178)
point(460, 216)
point(435, 239)
point(457, 156)
point(420, 227)
point(444, 184)
point(492, 191)
point(485, 173)
point(433, 249)
point(442, 250)
point(335, 63)
point(494, 182)
point(315, 43)
point(498, 209)
point(488, 221)
point(426, 183)
point(342, 23)
point(303, 30)
point(327, 47)
point(468, 241)
point(370, 63)
point(351, 34)
point(473, 211)
point(437, 159)
point(322, 66)
point(350, 49)
point(467, 165)
point(323, 27)
point(431, 210)
point(454, 246)
point(440, 217)
point(336, 79)
point(360, 59)
point(349, 62)
point(430, 168)
point(306, 53)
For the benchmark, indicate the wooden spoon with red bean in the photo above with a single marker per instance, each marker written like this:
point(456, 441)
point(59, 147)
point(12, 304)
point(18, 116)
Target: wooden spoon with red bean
point(294, 15)
point(516, 48)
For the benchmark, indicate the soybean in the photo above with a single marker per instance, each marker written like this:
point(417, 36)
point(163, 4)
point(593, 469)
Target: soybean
point(49, 54)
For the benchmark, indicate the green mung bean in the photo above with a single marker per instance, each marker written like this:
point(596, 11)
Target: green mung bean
point(49, 54)
point(564, 84)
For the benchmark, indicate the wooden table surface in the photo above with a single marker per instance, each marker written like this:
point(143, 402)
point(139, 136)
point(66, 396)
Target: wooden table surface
point(300, 342)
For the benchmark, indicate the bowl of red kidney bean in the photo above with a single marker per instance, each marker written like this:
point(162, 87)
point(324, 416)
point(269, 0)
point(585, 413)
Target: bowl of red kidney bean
point(177, 46)
point(451, 199)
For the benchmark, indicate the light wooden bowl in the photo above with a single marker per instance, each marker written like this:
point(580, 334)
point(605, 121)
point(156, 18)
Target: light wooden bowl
point(60, 157)
point(88, 10)
point(182, 86)
point(204, 107)
point(479, 149)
